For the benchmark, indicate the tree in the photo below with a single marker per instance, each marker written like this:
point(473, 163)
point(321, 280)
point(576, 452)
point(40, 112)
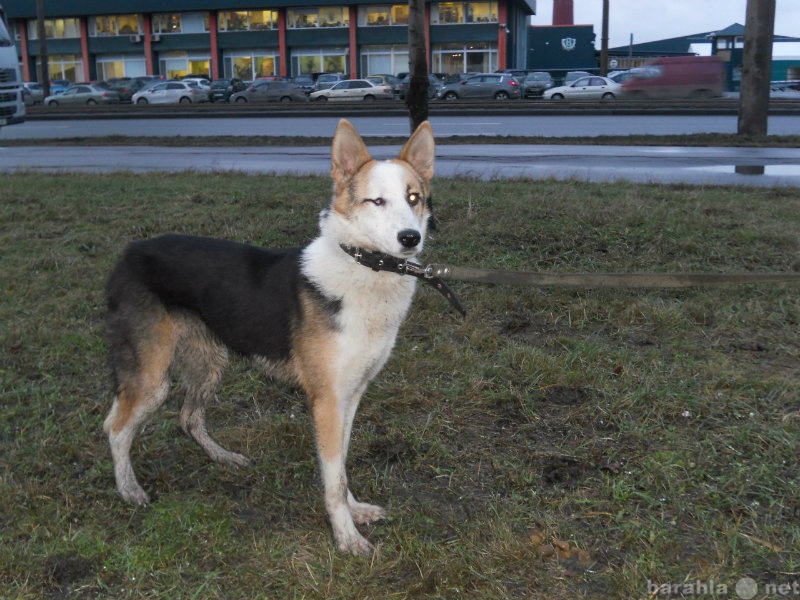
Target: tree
point(756, 67)
point(43, 70)
point(417, 94)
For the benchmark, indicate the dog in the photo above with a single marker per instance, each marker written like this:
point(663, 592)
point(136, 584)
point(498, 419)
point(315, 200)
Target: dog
point(312, 316)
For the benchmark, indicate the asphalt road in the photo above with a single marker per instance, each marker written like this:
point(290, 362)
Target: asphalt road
point(710, 166)
point(546, 125)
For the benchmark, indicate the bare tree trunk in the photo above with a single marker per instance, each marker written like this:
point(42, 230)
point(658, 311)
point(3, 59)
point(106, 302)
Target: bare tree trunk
point(604, 42)
point(756, 67)
point(417, 94)
point(43, 71)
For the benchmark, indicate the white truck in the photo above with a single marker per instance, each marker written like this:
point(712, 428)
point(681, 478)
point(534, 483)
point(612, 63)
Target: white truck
point(12, 107)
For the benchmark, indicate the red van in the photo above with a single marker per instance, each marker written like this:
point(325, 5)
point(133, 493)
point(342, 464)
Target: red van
point(677, 77)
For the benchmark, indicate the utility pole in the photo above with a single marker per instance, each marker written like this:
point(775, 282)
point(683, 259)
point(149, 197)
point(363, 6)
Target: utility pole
point(417, 94)
point(42, 71)
point(756, 67)
point(604, 42)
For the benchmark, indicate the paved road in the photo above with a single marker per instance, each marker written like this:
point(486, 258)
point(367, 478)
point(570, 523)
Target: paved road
point(758, 166)
point(444, 126)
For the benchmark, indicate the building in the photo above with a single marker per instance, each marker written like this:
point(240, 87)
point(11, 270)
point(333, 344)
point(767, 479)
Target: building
point(88, 40)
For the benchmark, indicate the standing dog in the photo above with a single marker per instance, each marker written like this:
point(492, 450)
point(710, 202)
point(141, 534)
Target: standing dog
point(314, 316)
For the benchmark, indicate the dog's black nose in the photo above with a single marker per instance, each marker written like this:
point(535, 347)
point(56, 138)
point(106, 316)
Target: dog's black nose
point(409, 237)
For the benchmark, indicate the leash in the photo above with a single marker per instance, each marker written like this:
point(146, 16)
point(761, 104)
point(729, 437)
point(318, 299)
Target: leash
point(435, 275)
point(378, 261)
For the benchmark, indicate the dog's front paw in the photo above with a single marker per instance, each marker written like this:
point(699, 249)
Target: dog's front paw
point(135, 495)
point(356, 545)
point(366, 513)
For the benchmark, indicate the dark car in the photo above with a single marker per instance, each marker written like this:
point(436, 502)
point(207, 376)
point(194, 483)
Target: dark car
point(537, 83)
point(270, 91)
point(497, 86)
point(434, 83)
point(126, 87)
point(304, 82)
point(223, 89)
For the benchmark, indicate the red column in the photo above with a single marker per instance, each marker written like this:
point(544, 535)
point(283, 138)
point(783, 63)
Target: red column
point(353, 47)
point(212, 29)
point(85, 48)
point(148, 43)
point(282, 54)
point(501, 34)
point(22, 27)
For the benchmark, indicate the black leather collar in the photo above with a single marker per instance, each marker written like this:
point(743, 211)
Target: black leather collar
point(378, 261)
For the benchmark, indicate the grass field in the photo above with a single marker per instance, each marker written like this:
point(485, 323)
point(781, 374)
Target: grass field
point(554, 444)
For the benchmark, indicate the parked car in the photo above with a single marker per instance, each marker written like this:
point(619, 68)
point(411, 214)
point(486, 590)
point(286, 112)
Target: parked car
point(223, 89)
point(537, 83)
point(386, 80)
point(354, 89)
point(270, 91)
point(520, 74)
point(592, 87)
point(304, 82)
point(126, 87)
point(83, 94)
point(500, 86)
point(573, 76)
point(202, 82)
point(32, 93)
point(434, 83)
point(171, 92)
point(620, 76)
point(326, 80)
point(57, 86)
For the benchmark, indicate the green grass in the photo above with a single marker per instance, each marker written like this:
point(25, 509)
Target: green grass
point(554, 444)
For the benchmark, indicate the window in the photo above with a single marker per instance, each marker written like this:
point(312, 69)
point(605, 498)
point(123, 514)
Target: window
point(248, 20)
point(120, 66)
point(318, 60)
point(56, 28)
point(115, 25)
point(383, 59)
point(175, 65)
point(464, 58)
point(329, 16)
point(66, 66)
point(251, 65)
point(371, 16)
point(463, 12)
point(167, 23)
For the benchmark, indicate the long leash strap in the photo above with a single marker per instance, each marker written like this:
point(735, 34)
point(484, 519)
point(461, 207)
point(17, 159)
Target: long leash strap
point(436, 274)
point(605, 280)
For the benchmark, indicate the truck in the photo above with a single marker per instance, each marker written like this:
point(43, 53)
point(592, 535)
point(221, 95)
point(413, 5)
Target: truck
point(12, 106)
point(695, 77)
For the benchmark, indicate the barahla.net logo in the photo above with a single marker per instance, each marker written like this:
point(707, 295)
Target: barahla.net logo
point(745, 588)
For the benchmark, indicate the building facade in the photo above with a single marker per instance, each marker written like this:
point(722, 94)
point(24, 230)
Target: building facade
point(93, 39)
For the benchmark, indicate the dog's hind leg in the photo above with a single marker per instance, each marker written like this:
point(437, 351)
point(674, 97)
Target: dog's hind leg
point(201, 362)
point(141, 364)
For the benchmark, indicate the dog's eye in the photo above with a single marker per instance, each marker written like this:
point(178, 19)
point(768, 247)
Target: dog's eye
point(413, 198)
point(376, 201)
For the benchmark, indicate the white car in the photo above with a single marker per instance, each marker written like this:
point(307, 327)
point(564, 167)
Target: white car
point(591, 87)
point(171, 92)
point(355, 89)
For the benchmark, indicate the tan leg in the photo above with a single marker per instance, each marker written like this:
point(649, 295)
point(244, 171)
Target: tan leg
point(142, 389)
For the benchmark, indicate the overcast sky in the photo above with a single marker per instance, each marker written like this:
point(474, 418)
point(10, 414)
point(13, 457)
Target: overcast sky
point(650, 20)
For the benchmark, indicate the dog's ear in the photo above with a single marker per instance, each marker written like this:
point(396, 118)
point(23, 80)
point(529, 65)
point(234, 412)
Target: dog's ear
point(419, 151)
point(349, 153)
